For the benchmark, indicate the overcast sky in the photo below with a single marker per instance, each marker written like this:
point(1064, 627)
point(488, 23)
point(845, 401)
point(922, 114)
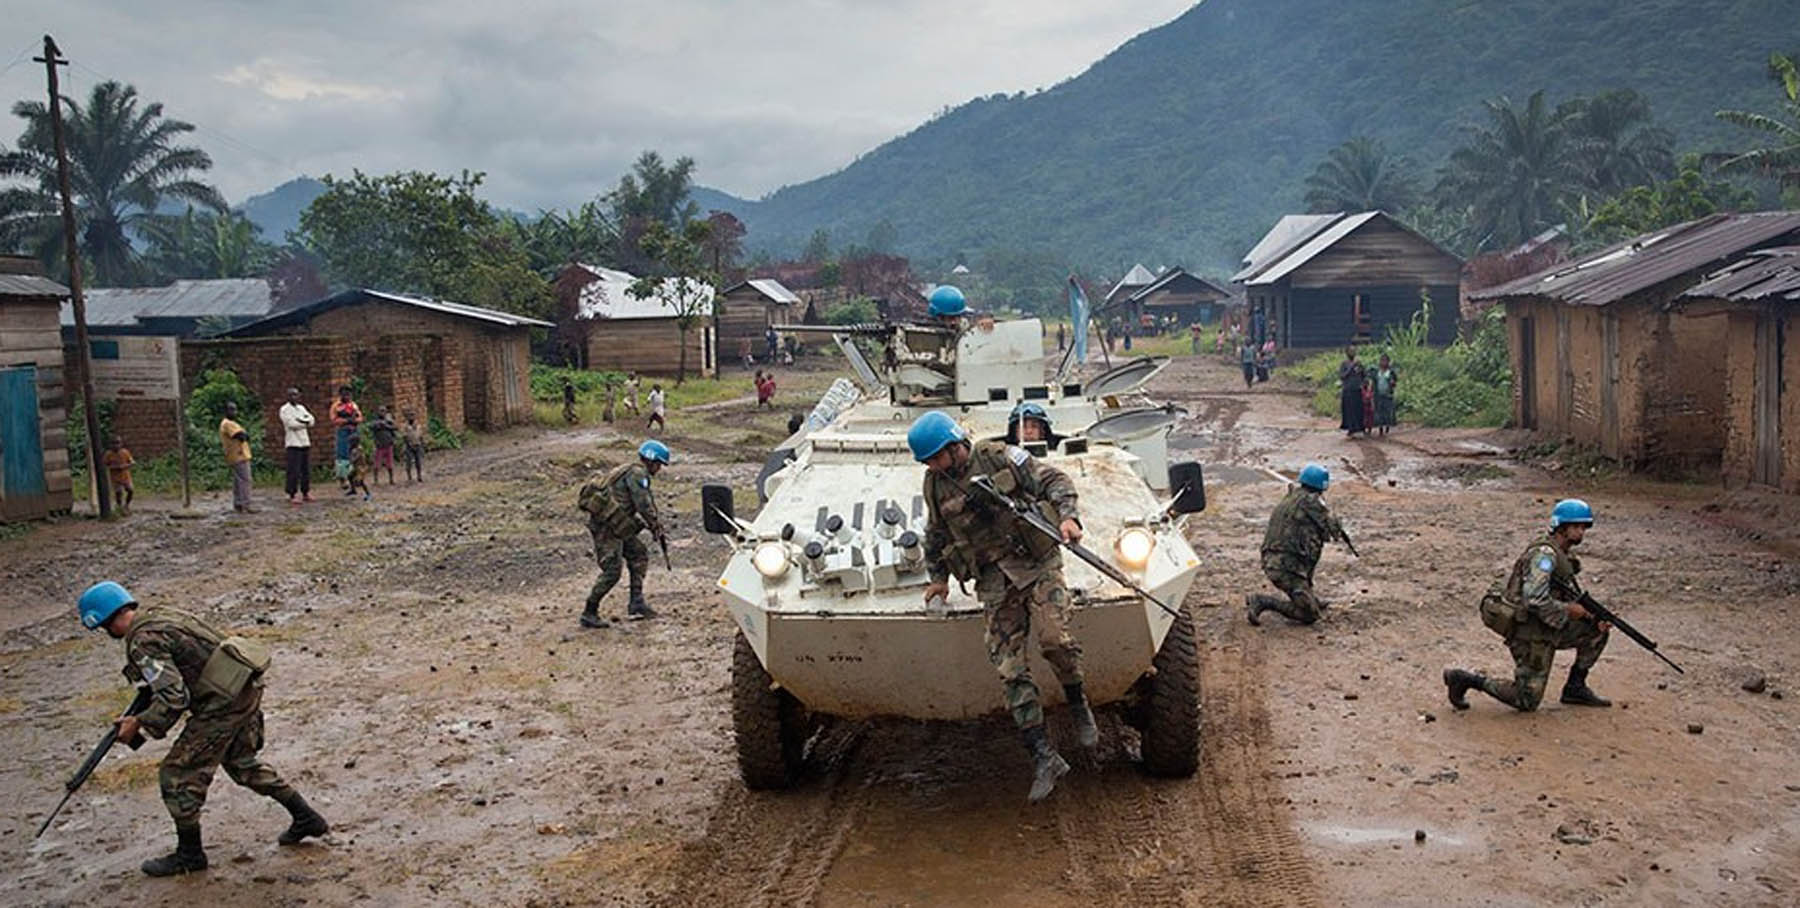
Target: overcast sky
point(554, 99)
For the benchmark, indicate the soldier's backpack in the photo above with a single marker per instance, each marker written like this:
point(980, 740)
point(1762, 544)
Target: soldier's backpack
point(597, 499)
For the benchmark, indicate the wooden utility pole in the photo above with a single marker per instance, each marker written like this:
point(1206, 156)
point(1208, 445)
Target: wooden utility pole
point(52, 59)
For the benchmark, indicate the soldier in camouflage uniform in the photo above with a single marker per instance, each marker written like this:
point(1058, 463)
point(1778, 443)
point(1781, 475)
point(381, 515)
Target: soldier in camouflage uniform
point(1017, 571)
point(1297, 533)
point(618, 506)
point(1535, 608)
point(216, 679)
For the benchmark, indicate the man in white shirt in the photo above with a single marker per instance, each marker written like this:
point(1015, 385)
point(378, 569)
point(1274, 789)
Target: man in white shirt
point(656, 409)
point(297, 421)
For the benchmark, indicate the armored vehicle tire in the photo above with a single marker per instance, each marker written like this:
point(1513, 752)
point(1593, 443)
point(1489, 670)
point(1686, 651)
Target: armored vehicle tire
point(768, 722)
point(1171, 718)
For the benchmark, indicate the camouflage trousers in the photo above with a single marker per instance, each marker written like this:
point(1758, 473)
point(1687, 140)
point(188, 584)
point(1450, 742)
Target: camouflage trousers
point(1013, 612)
point(207, 743)
point(1300, 606)
point(612, 552)
point(1533, 655)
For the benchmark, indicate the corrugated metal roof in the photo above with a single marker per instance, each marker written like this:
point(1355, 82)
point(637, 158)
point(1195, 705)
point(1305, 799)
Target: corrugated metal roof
point(608, 296)
point(226, 297)
point(770, 288)
point(1287, 235)
point(1171, 275)
point(1319, 242)
point(1648, 260)
point(351, 297)
point(31, 285)
point(1138, 276)
point(1766, 274)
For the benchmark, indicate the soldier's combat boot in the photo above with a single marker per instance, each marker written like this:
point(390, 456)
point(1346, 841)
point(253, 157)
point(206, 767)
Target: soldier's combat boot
point(639, 609)
point(186, 858)
point(1253, 607)
point(590, 616)
point(1575, 691)
point(1086, 732)
point(307, 821)
point(1460, 683)
point(1046, 764)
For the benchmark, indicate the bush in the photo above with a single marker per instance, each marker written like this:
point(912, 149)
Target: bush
point(859, 311)
point(546, 381)
point(1468, 383)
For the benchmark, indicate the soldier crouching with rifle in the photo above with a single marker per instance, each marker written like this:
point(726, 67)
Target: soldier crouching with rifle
point(216, 679)
point(1538, 608)
point(1298, 530)
point(1017, 572)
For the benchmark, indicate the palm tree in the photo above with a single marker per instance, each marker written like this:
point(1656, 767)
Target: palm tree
point(1515, 175)
point(1360, 175)
point(206, 245)
point(123, 163)
point(1614, 144)
point(1781, 159)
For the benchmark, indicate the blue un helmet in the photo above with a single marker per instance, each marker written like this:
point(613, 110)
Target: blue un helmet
point(931, 433)
point(1571, 510)
point(1314, 477)
point(947, 300)
point(102, 601)
point(654, 450)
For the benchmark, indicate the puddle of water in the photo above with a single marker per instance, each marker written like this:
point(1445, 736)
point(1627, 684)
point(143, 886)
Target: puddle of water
point(1379, 835)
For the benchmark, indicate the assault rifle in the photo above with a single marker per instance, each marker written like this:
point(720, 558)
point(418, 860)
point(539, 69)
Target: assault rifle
point(1347, 543)
point(138, 704)
point(1031, 518)
point(1602, 613)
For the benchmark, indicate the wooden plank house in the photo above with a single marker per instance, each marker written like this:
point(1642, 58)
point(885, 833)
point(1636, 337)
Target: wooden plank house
point(1327, 280)
point(626, 334)
point(34, 453)
point(748, 309)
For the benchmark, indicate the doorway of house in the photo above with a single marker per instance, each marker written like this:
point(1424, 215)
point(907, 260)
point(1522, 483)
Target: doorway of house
point(1766, 405)
point(1527, 374)
point(1362, 321)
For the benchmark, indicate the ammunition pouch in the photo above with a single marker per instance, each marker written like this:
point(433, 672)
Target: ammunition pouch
point(597, 500)
point(233, 665)
point(1500, 616)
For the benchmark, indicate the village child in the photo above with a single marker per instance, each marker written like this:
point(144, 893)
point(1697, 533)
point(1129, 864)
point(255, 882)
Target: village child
point(346, 416)
point(357, 478)
point(236, 444)
point(657, 398)
point(118, 463)
point(382, 431)
point(413, 435)
point(216, 681)
point(568, 399)
point(1387, 378)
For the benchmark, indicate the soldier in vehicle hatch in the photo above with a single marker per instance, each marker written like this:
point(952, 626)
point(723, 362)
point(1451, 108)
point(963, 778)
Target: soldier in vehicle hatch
point(1297, 533)
point(1535, 608)
point(1018, 575)
point(618, 506)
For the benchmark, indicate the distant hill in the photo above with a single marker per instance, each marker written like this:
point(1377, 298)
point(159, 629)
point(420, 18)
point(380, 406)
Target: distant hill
point(278, 210)
point(1188, 141)
point(711, 200)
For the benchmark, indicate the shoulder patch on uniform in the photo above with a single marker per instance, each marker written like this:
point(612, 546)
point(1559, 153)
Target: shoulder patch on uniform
point(1545, 563)
point(645, 482)
point(1017, 455)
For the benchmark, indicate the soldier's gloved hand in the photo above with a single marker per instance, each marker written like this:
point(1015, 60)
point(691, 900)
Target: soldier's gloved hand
point(937, 588)
point(128, 728)
point(1071, 531)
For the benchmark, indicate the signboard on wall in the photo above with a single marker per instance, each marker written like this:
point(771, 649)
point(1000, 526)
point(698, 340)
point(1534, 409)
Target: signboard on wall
point(136, 368)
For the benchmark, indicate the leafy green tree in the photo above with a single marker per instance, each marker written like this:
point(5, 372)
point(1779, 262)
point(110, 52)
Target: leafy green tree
point(1781, 158)
point(883, 237)
point(556, 238)
point(1361, 175)
point(1642, 209)
point(652, 193)
point(1614, 143)
point(200, 245)
point(683, 277)
point(421, 233)
point(125, 161)
point(1515, 174)
point(724, 243)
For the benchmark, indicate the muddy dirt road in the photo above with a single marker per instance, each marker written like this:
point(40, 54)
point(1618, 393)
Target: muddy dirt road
point(470, 744)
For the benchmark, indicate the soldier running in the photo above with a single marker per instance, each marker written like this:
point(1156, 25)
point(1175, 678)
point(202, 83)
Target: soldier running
point(618, 505)
point(1534, 608)
point(1297, 533)
point(1017, 572)
point(191, 667)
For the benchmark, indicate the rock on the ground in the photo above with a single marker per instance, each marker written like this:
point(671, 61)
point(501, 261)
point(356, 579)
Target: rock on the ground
point(1755, 683)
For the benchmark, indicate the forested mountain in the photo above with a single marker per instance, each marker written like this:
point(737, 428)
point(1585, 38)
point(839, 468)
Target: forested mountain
point(1187, 142)
point(278, 210)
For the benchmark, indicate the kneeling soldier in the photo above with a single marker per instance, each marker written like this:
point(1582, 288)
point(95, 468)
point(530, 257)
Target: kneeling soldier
point(1297, 533)
point(217, 680)
point(1534, 607)
point(618, 506)
point(1017, 571)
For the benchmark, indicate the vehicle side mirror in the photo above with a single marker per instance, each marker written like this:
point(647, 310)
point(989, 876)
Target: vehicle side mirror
point(1189, 487)
point(716, 511)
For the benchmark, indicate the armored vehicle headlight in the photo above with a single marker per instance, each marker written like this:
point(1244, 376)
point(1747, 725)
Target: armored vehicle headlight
point(770, 559)
point(1135, 545)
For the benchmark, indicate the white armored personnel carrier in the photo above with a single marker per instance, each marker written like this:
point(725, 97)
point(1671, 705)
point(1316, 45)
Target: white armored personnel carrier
point(825, 582)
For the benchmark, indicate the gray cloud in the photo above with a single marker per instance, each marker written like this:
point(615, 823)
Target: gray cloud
point(554, 99)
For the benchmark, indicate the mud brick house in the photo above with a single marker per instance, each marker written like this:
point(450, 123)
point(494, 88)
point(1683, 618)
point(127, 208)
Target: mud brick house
point(1602, 356)
point(415, 349)
point(1758, 299)
point(1326, 280)
point(620, 332)
point(34, 451)
point(182, 309)
point(747, 310)
point(1188, 297)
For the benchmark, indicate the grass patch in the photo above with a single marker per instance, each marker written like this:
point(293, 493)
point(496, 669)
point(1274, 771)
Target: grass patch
point(16, 530)
point(1467, 384)
point(127, 776)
